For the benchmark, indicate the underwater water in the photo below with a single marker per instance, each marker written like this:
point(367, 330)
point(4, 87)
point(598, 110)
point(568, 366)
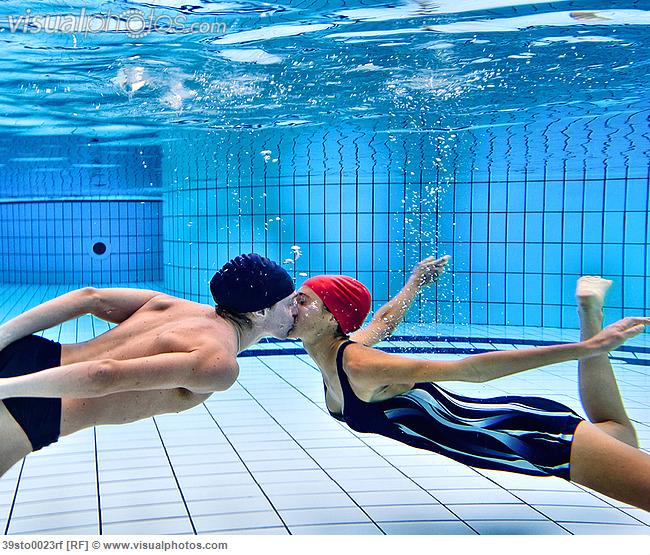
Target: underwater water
point(510, 134)
point(153, 141)
point(134, 69)
point(146, 143)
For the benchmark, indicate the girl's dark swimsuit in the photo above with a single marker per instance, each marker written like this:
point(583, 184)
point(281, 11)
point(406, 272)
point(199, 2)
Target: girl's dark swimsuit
point(39, 417)
point(528, 435)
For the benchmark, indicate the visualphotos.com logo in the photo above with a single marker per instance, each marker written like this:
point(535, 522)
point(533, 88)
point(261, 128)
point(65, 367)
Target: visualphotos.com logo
point(133, 22)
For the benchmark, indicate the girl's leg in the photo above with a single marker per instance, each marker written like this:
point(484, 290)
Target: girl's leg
point(609, 466)
point(598, 390)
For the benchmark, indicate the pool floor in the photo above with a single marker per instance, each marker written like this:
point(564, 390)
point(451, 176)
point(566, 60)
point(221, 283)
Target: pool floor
point(264, 457)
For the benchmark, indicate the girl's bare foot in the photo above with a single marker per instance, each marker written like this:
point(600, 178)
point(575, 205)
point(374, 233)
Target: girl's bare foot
point(591, 291)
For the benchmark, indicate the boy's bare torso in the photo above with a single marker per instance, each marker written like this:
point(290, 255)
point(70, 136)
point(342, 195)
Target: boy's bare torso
point(162, 325)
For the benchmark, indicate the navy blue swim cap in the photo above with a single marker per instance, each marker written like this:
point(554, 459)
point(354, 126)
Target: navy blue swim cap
point(250, 282)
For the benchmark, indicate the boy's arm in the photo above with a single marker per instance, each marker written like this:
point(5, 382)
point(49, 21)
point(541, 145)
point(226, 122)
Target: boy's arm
point(114, 305)
point(375, 368)
point(389, 316)
point(200, 370)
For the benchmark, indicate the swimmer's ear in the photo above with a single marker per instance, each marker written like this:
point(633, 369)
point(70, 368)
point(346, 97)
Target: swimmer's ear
point(260, 313)
point(333, 320)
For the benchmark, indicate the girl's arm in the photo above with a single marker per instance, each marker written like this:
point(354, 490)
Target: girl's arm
point(375, 368)
point(389, 316)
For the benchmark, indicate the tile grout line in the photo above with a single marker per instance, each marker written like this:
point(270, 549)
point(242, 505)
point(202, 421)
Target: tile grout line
point(247, 468)
point(310, 456)
point(373, 450)
point(13, 501)
point(99, 499)
point(381, 456)
point(171, 466)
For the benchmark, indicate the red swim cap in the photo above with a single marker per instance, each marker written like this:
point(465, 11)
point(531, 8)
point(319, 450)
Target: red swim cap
point(346, 298)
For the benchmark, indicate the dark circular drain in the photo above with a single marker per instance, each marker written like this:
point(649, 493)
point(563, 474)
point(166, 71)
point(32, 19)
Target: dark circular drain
point(99, 248)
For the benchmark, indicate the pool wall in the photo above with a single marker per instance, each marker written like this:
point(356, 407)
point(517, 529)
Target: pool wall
point(524, 204)
point(84, 241)
point(525, 208)
point(76, 211)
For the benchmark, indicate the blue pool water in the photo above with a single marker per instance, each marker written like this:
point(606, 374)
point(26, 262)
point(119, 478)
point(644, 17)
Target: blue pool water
point(510, 134)
point(335, 137)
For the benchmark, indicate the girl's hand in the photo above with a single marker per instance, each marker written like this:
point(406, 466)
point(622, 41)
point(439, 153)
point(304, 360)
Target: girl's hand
point(616, 334)
point(428, 270)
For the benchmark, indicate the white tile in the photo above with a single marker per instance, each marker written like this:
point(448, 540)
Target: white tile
point(397, 513)
point(266, 449)
point(221, 492)
point(9, 480)
point(54, 506)
point(214, 478)
point(136, 473)
point(311, 488)
point(599, 515)
point(609, 500)
point(410, 457)
point(239, 521)
point(382, 473)
point(210, 468)
point(214, 456)
point(54, 482)
point(29, 494)
point(139, 485)
point(269, 531)
point(287, 453)
point(337, 529)
point(153, 460)
point(323, 515)
point(639, 514)
point(33, 524)
point(574, 498)
point(510, 480)
point(299, 475)
point(456, 482)
point(374, 484)
point(60, 460)
point(474, 496)
point(233, 505)
point(604, 529)
point(138, 512)
point(429, 471)
point(74, 530)
point(408, 497)
point(164, 526)
point(130, 498)
point(132, 456)
point(216, 482)
point(302, 463)
point(8, 493)
point(504, 511)
point(285, 502)
point(426, 528)
point(516, 527)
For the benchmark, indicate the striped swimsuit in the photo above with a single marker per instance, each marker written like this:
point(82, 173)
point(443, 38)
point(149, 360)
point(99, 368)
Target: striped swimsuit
point(527, 435)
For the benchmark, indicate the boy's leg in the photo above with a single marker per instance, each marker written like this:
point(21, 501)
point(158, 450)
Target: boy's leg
point(597, 384)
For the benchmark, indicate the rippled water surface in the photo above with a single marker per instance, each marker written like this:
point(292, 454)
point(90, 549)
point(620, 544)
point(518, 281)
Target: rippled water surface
point(148, 66)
